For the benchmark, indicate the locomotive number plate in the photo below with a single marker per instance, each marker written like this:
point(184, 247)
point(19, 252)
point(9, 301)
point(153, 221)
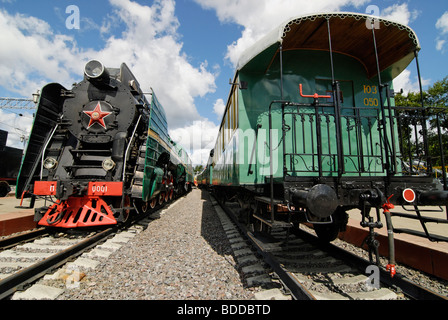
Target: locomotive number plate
point(45, 188)
point(105, 188)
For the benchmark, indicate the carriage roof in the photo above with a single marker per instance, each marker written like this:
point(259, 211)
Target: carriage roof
point(349, 36)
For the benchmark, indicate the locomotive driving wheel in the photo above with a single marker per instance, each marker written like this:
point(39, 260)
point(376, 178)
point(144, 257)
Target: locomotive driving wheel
point(126, 212)
point(153, 203)
point(161, 198)
point(141, 206)
point(145, 207)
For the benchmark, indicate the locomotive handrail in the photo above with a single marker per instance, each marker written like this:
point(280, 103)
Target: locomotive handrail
point(271, 168)
point(250, 171)
point(45, 147)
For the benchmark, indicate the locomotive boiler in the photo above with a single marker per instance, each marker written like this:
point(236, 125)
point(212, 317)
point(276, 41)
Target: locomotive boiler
point(100, 151)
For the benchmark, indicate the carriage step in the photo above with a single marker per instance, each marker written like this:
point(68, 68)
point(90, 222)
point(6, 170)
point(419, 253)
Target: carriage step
point(275, 224)
point(141, 161)
point(267, 200)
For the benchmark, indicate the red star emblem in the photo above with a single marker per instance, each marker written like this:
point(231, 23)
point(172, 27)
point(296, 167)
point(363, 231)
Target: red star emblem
point(97, 116)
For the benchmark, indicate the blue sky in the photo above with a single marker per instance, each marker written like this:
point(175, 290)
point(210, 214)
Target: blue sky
point(185, 50)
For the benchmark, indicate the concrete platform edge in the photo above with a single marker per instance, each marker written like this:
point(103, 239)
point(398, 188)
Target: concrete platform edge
point(18, 224)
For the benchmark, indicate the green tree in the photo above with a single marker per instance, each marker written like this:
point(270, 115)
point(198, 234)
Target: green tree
point(198, 169)
point(438, 94)
point(435, 100)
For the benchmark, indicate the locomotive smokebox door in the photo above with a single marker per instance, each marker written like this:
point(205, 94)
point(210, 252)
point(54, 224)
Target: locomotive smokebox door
point(97, 116)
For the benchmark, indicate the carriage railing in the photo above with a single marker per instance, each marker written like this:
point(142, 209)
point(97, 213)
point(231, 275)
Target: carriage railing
point(392, 141)
point(370, 146)
point(314, 139)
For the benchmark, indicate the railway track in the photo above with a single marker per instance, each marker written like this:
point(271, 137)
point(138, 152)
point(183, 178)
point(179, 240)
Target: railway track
point(27, 258)
point(309, 270)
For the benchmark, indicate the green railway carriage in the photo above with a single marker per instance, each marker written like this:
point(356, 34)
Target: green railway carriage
point(311, 129)
point(205, 178)
point(161, 151)
point(308, 66)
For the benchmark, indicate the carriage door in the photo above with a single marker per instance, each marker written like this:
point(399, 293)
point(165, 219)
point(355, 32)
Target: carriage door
point(310, 134)
point(348, 127)
point(346, 98)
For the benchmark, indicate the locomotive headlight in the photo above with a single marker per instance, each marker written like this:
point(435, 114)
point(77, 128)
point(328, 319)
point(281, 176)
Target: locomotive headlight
point(94, 69)
point(108, 164)
point(50, 163)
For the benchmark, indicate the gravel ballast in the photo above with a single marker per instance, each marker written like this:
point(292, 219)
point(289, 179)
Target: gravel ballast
point(182, 255)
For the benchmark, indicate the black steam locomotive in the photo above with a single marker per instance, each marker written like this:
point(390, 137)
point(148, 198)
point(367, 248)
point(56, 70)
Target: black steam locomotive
point(99, 151)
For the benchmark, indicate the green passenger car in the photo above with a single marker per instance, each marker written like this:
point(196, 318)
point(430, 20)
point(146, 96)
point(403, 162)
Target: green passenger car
point(168, 169)
point(243, 139)
point(311, 129)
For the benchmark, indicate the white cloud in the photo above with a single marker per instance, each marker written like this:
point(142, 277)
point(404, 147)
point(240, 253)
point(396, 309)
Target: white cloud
point(440, 44)
point(151, 48)
point(198, 139)
point(258, 17)
point(218, 108)
point(442, 26)
point(33, 54)
point(18, 127)
point(149, 45)
point(442, 23)
point(408, 83)
point(400, 13)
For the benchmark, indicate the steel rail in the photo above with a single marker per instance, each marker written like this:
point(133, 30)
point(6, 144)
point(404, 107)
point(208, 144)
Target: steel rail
point(298, 291)
point(412, 290)
point(28, 275)
point(18, 280)
point(24, 237)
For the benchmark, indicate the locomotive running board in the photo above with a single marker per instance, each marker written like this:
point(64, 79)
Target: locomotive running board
point(78, 212)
